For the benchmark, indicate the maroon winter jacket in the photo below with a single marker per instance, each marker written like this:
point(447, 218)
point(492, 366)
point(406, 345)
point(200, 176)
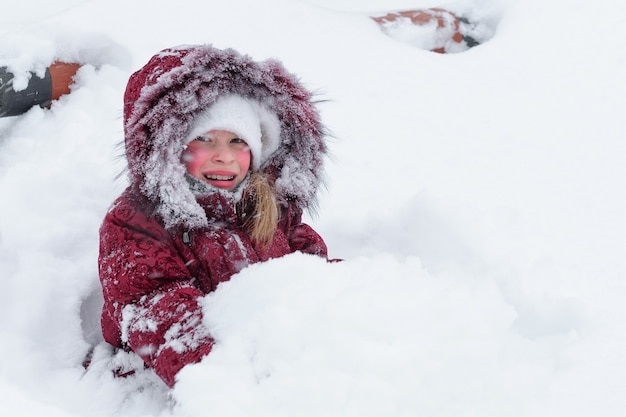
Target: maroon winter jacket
point(162, 246)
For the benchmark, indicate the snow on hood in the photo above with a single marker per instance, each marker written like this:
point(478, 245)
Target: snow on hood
point(163, 98)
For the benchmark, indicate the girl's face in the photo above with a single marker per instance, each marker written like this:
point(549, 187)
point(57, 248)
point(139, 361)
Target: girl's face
point(218, 157)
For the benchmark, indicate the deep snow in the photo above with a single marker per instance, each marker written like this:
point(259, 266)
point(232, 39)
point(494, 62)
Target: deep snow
point(477, 199)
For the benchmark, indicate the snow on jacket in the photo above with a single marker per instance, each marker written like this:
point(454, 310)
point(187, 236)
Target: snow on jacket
point(162, 246)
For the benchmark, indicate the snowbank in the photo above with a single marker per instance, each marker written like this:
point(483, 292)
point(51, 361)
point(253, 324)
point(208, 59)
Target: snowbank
point(476, 198)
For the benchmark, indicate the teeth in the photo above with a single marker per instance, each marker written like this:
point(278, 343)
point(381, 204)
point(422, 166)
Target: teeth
point(219, 177)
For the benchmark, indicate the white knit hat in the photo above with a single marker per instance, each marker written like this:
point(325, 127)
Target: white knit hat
point(247, 118)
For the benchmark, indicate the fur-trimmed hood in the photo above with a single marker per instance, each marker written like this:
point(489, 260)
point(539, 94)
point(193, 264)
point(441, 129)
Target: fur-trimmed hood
point(163, 98)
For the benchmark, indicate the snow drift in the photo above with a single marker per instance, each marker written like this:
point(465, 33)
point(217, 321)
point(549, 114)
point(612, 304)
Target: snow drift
point(477, 200)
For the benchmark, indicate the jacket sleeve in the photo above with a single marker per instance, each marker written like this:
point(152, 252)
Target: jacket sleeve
point(151, 305)
point(301, 236)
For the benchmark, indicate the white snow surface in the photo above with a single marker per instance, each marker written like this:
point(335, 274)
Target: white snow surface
point(476, 198)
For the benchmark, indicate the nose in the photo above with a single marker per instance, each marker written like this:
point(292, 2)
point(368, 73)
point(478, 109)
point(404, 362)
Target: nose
point(222, 153)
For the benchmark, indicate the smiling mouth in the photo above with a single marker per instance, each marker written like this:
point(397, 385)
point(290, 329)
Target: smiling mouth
point(220, 177)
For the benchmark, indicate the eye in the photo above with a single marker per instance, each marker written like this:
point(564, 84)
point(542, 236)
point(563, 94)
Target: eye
point(237, 140)
point(202, 138)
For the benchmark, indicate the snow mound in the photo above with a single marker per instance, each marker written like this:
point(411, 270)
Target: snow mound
point(364, 337)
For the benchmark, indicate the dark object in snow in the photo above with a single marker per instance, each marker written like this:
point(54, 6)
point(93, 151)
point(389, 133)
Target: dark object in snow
point(437, 30)
point(39, 91)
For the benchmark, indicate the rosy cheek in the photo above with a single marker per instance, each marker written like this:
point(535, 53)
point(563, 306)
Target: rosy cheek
point(192, 162)
point(244, 159)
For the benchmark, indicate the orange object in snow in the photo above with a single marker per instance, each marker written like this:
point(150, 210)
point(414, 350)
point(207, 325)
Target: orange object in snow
point(447, 31)
point(62, 76)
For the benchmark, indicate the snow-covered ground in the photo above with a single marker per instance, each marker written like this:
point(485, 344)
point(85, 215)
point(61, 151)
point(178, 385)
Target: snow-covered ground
point(477, 198)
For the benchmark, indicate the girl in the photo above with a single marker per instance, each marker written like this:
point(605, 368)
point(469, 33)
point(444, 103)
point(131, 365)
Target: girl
point(223, 153)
